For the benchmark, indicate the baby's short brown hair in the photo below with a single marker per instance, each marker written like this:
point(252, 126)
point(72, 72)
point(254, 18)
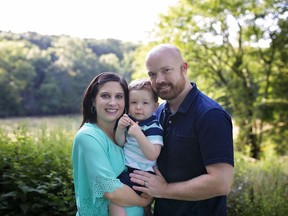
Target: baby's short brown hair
point(140, 84)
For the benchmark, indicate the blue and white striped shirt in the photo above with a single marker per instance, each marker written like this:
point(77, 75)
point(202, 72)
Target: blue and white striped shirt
point(134, 157)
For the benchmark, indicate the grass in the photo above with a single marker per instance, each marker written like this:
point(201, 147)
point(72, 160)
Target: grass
point(35, 125)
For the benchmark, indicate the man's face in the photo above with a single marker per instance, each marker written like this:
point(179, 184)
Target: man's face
point(166, 74)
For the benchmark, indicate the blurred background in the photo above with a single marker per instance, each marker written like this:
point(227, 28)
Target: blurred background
point(50, 50)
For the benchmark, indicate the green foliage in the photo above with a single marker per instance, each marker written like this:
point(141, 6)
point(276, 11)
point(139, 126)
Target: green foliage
point(260, 188)
point(16, 74)
point(235, 51)
point(36, 175)
point(47, 75)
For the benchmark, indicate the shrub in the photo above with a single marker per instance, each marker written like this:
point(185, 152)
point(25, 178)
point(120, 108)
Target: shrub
point(260, 188)
point(36, 175)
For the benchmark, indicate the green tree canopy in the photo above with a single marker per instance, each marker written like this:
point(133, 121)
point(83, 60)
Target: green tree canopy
point(47, 75)
point(235, 47)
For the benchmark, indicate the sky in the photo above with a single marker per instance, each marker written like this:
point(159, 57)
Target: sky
point(126, 20)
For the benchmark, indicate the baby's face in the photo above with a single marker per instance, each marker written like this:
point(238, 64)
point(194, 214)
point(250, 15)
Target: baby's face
point(141, 104)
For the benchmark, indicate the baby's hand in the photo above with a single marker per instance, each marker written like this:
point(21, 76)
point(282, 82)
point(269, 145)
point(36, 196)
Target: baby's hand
point(124, 122)
point(134, 129)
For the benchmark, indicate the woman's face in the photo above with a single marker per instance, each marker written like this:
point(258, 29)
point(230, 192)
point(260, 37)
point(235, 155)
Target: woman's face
point(110, 102)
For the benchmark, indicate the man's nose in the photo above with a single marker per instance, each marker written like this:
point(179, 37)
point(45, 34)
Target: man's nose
point(159, 78)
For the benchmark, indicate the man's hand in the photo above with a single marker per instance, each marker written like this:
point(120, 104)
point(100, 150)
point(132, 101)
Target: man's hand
point(154, 185)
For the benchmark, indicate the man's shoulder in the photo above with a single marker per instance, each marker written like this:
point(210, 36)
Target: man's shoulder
point(205, 103)
point(160, 108)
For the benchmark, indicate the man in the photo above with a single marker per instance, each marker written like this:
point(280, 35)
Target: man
point(196, 163)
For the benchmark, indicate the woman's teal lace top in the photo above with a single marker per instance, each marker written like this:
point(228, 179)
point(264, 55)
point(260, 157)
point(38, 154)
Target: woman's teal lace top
point(97, 162)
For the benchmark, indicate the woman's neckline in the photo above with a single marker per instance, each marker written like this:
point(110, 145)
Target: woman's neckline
point(108, 132)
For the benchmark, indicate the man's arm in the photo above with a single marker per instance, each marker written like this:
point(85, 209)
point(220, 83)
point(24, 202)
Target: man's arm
point(216, 182)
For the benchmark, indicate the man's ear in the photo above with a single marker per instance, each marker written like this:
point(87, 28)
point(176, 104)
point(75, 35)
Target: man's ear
point(185, 67)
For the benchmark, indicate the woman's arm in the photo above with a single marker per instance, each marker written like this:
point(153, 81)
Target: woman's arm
point(125, 196)
point(120, 137)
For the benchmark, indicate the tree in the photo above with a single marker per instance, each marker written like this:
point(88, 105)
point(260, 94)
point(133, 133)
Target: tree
point(73, 68)
point(42, 74)
point(235, 46)
point(16, 74)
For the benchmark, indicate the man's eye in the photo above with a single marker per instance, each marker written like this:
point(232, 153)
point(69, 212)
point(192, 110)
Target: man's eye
point(166, 70)
point(151, 75)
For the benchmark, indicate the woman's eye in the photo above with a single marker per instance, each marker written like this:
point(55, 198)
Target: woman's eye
point(105, 96)
point(119, 96)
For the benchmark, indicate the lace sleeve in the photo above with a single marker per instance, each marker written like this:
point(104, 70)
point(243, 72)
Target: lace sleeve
point(96, 164)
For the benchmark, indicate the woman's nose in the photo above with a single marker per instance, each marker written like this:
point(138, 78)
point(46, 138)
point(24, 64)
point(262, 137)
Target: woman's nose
point(112, 101)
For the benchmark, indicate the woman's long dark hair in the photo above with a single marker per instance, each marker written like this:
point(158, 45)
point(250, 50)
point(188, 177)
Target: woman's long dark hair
point(92, 90)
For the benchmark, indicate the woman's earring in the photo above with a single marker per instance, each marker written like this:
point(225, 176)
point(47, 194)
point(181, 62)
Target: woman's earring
point(93, 109)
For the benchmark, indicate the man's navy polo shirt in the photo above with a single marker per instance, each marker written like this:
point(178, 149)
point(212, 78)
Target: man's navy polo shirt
point(198, 134)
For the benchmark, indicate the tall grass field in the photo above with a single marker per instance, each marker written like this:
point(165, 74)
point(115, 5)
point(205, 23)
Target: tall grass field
point(36, 172)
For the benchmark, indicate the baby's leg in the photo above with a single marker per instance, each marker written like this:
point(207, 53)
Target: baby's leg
point(115, 210)
point(148, 210)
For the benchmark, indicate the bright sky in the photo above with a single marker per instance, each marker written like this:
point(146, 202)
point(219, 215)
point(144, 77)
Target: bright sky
point(126, 20)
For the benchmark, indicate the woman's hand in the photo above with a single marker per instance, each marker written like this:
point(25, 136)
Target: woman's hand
point(147, 209)
point(148, 197)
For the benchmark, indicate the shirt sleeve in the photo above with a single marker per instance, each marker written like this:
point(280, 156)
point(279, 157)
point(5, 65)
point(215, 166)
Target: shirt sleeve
point(215, 137)
point(91, 159)
point(155, 134)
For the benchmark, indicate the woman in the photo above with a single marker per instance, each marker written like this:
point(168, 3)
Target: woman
point(97, 160)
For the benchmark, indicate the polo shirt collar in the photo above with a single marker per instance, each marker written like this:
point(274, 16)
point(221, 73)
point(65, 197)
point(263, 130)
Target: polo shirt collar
point(184, 107)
